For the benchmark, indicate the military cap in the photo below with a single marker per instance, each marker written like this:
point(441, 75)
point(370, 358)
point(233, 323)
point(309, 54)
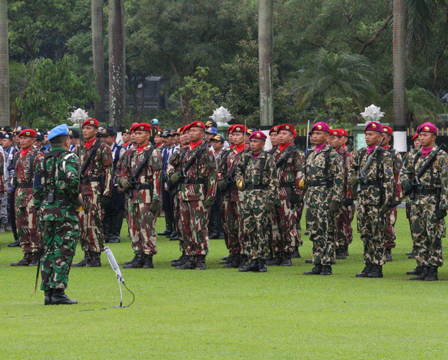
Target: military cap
point(387, 129)
point(230, 129)
point(2, 135)
point(155, 122)
point(288, 127)
point(46, 132)
point(336, 132)
point(374, 126)
point(143, 127)
point(133, 127)
point(427, 127)
point(250, 130)
point(174, 132)
point(218, 138)
point(211, 123)
point(125, 131)
point(39, 136)
point(19, 129)
point(91, 122)
point(273, 130)
point(8, 136)
point(60, 130)
point(320, 126)
point(158, 133)
point(5, 128)
point(28, 133)
point(258, 135)
point(108, 132)
point(344, 132)
point(198, 124)
point(238, 128)
point(166, 133)
point(212, 131)
point(73, 134)
point(413, 138)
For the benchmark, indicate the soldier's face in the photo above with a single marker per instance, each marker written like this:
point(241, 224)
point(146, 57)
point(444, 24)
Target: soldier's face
point(319, 137)
point(209, 137)
point(196, 134)
point(285, 137)
point(142, 137)
point(238, 138)
point(6, 143)
point(416, 143)
point(336, 141)
point(427, 139)
point(108, 140)
point(231, 139)
point(26, 142)
point(217, 145)
point(373, 138)
point(132, 137)
point(176, 139)
point(158, 139)
point(387, 137)
point(274, 138)
point(256, 145)
point(89, 132)
point(125, 138)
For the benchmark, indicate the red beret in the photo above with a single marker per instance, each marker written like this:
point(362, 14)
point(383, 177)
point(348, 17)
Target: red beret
point(288, 127)
point(344, 132)
point(374, 126)
point(415, 136)
point(427, 127)
point(133, 128)
point(91, 122)
point(28, 133)
point(230, 129)
point(274, 129)
point(238, 128)
point(336, 132)
point(142, 127)
point(320, 126)
point(198, 124)
point(387, 129)
point(258, 135)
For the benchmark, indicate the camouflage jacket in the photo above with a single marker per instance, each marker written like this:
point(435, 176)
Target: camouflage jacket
point(290, 173)
point(2, 172)
point(324, 166)
point(23, 179)
point(201, 177)
point(397, 162)
point(436, 177)
point(380, 173)
point(347, 159)
point(174, 163)
point(258, 172)
point(150, 175)
point(100, 168)
point(59, 175)
point(229, 160)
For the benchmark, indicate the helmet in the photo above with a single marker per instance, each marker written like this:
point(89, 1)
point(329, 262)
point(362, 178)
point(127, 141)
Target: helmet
point(155, 122)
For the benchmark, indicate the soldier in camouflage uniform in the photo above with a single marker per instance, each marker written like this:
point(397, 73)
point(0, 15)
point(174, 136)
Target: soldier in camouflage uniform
point(289, 163)
point(375, 197)
point(256, 176)
point(25, 162)
point(96, 190)
point(145, 203)
point(324, 180)
point(429, 203)
point(58, 198)
point(198, 190)
point(231, 205)
point(344, 218)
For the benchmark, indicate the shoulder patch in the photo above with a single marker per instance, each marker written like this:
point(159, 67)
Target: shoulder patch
point(156, 163)
point(211, 161)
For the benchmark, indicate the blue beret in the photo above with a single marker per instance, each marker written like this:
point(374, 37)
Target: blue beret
point(58, 131)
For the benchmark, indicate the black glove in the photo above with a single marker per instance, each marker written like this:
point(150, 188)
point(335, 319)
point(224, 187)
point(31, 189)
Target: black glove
point(353, 181)
point(406, 186)
point(105, 201)
point(208, 203)
point(222, 186)
point(334, 206)
point(385, 209)
point(155, 206)
point(295, 198)
point(269, 206)
point(175, 178)
point(440, 214)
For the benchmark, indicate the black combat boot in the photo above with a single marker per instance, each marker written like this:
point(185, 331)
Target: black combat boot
point(190, 264)
point(316, 270)
point(376, 272)
point(296, 253)
point(84, 261)
point(107, 229)
point(252, 266)
point(262, 266)
point(95, 260)
point(326, 270)
point(200, 262)
point(432, 274)
point(366, 271)
point(286, 259)
point(34, 259)
point(417, 271)
point(422, 275)
point(59, 298)
point(244, 261)
point(180, 261)
point(410, 253)
point(174, 236)
point(308, 261)
point(16, 243)
point(136, 263)
point(116, 226)
point(226, 260)
point(346, 251)
point(24, 262)
point(234, 264)
point(167, 232)
point(48, 295)
point(147, 262)
point(389, 255)
point(277, 260)
point(340, 254)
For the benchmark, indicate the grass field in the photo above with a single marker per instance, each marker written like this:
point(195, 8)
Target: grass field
point(223, 314)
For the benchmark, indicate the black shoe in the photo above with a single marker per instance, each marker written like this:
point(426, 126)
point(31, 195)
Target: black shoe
point(59, 298)
point(410, 253)
point(377, 272)
point(34, 259)
point(308, 261)
point(226, 260)
point(114, 240)
point(412, 256)
point(340, 254)
point(244, 261)
point(286, 260)
point(276, 261)
point(366, 271)
point(307, 232)
point(14, 244)
point(346, 251)
point(136, 263)
point(200, 262)
point(234, 263)
point(432, 274)
point(389, 255)
point(326, 270)
point(165, 233)
point(84, 261)
point(188, 265)
point(422, 275)
point(314, 271)
point(417, 271)
point(24, 262)
point(179, 261)
point(174, 236)
point(147, 262)
point(48, 294)
point(221, 236)
point(252, 266)
point(213, 236)
point(95, 260)
point(262, 266)
point(296, 253)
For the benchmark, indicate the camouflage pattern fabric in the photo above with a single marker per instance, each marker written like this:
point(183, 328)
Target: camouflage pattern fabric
point(298, 239)
point(428, 231)
point(320, 222)
point(2, 168)
point(142, 224)
point(254, 213)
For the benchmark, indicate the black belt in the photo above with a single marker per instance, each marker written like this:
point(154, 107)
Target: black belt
point(255, 187)
point(27, 185)
point(287, 184)
point(372, 183)
point(86, 179)
point(427, 191)
point(327, 183)
point(143, 187)
point(195, 181)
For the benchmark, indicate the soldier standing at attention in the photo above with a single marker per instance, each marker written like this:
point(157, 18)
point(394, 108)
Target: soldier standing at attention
point(391, 217)
point(274, 141)
point(96, 189)
point(126, 139)
point(428, 202)
point(324, 180)
point(58, 199)
point(375, 194)
point(25, 162)
point(256, 177)
point(198, 190)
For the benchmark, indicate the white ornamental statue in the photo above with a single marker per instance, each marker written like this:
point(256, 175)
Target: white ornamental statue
point(78, 116)
point(222, 116)
point(372, 113)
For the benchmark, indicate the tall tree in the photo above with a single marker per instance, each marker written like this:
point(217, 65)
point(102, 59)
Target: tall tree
point(4, 65)
point(98, 55)
point(117, 70)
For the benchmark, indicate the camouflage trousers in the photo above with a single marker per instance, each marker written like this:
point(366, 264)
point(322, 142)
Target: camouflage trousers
point(344, 232)
point(59, 250)
point(178, 223)
point(142, 224)
point(273, 231)
point(286, 216)
point(91, 220)
point(298, 239)
point(232, 226)
point(255, 220)
point(4, 210)
point(371, 227)
point(427, 233)
point(389, 234)
point(194, 227)
point(408, 215)
point(27, 230)
point(321, 225)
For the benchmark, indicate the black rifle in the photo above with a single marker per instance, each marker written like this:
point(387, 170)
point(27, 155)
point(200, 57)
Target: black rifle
point(415, 182)
point(285, 157)
point(133, 178)
point(362, 177)
point(90, 158)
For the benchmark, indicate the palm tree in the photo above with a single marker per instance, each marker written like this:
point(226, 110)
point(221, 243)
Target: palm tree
point(4, 65)
point(98, 55)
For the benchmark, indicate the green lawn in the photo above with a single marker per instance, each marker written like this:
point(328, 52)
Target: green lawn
point(223, 314)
